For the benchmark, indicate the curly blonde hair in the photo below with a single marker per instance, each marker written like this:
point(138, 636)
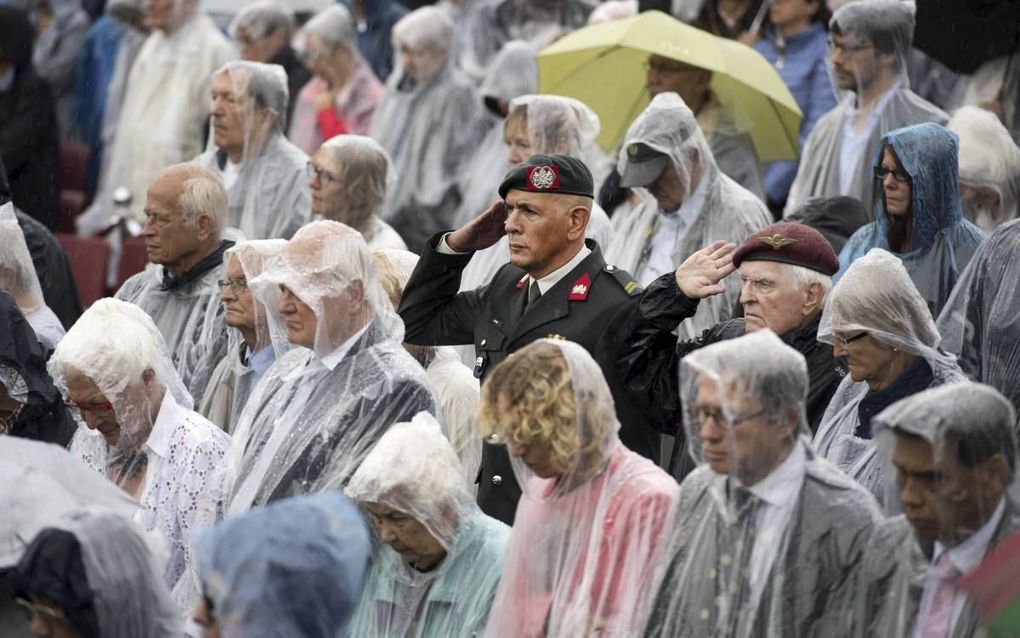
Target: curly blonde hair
point(529, 400)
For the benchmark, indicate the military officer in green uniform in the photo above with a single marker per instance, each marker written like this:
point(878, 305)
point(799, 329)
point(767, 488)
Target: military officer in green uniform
point(557, 284)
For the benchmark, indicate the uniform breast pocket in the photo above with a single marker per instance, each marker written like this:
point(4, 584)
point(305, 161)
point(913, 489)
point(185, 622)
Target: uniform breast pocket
point(489, 345)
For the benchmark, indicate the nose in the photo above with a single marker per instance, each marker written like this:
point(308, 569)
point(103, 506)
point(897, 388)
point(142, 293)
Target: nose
point(216, 107)
point(709, 431)
point(512, 225)
point(746, 294)
point(386, 534)
point(227, 294)
point(149, 228)
point(838, 349)
point(910, 496)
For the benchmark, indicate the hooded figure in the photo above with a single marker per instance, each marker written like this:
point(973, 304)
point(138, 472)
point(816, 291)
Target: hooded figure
point(57, 49)
point(876, 319)
point(981, 320)
point(514, 73)
point(436, 568)
point(137, 426)
point(542, 125)
point(250, 350)
point(767, 535)
point(322, 406)
point(31, 405)
point(164, 114)
point(264, 174)
point(18, 277)
point(429, 123)
point(919, 218)
point(493, 23)
point(29, 136)
point(293, 568)
point(686, 204)
point(100, 574)
point(963, 434)
point(869, 41)
point(590, 523)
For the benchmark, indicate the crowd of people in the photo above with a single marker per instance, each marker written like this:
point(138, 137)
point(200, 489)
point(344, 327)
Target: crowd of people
point(416, 354)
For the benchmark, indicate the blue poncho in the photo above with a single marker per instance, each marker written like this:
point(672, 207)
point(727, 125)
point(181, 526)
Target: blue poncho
point(943, 242)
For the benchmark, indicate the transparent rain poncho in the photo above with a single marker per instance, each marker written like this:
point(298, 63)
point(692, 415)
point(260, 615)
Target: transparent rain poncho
point(453, 382)
point(989, 160)
point(876, 296)
point(323, 404)
point(234, 377)
point(514, 72)
point(164, 113)
point(727, 210)
point(268, 186)
point(102, 571)
point(293, 568)
point(953, 432)
point(365, 175)
point(429, 126)
point(413, 470)
point(942, 241)
point(555, 124)
point(167, 457)
point(19, 278)
point(882, 27)
point(766, 534)
point(981, 320)
point(584, 543)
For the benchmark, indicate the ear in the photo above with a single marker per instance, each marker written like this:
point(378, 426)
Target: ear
point(203, 227)
point(994, 473)
point(356, 294)
point(577, 221)
point(812, 299)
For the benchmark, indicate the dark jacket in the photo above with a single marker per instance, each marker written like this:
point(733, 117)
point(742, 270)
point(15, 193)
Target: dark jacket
point(43, 416)
point(51, 266)
point(297, 77)
point(435, 313)
point(649, 354)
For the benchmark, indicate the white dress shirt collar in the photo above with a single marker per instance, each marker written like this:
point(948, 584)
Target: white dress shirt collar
point(550, 280)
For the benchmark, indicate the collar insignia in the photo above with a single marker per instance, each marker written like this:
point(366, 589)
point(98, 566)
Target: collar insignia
point(522, 282)
point(777, 241)
point(580, 288)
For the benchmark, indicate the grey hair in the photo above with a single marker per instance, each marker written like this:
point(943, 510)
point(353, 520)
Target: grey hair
point(803, 278)
point(267, 86)
point(426, 28)
point(334, 26)
point(263, 18)
point(202, 193)
point(367, 174)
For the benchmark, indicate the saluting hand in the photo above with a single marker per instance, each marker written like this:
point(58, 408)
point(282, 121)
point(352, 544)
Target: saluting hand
point(481, 232)
point(701, 273)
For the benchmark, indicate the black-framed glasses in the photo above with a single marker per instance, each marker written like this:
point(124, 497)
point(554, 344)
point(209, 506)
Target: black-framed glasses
point(843, 341)
point(324, 176)
point(720, 418)
point(846, 49)
point(236, 286)
point(881, 172)
point(30, 607)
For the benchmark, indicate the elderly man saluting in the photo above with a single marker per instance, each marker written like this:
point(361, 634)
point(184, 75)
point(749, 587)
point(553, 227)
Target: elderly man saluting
point(556, 285)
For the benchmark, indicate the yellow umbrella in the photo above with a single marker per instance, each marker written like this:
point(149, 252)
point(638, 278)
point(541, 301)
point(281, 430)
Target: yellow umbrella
point(603, 66)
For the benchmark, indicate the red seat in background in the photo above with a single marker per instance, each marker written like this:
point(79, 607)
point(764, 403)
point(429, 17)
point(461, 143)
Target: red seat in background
point(88, 257)
point(74, 164)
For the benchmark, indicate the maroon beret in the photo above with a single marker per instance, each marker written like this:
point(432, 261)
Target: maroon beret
point(789, 243)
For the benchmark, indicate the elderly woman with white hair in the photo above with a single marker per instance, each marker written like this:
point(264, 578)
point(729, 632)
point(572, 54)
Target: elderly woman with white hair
point(877, 320)
point(350, 177)
point(436, 567)
point(344, 94)
point(138, 426)
point(989, 167)
point(430, 123)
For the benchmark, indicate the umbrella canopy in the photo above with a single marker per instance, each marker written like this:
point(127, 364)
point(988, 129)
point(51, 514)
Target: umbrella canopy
point(964, 35)
point(42, 482)
point(603, 66)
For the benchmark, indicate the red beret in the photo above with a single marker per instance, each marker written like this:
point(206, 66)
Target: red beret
point(789, 243)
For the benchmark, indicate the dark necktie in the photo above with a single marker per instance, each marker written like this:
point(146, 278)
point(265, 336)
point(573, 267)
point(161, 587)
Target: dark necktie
point(534, 292)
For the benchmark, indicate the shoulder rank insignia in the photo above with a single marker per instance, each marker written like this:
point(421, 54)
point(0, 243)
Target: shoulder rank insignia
point(553, 335)
point(523, 281)
point(777, 241)
point(632, 288)
point(580, 288)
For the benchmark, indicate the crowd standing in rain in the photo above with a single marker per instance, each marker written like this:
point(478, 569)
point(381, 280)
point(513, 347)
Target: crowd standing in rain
point(509, 318)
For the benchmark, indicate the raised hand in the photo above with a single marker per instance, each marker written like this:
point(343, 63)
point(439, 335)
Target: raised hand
point(481, 232)
point(701, 274)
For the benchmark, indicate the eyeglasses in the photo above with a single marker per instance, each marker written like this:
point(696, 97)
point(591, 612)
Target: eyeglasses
point(7, 421)
point(324, 176)
point(848, 49)
point(91, 408)
point(236, 286)
point(843, 341)
point(881, 172)
point(39, 608)
point(720, 419)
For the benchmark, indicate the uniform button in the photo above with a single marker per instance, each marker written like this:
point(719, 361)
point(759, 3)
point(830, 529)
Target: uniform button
point(610, 268)
point(497, 480)
point(483, 343)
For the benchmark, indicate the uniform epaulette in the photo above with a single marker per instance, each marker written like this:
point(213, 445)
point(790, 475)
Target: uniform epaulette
point(626, 281)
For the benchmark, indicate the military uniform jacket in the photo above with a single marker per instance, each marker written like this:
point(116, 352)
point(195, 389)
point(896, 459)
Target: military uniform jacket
point(578, 307)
